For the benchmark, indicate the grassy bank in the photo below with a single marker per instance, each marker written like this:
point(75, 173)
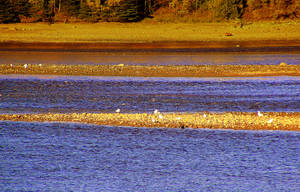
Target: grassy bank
point(154, 71)
point(149, 31)
point(229, 120)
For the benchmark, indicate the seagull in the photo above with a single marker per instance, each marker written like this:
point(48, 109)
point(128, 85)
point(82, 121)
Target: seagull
point(259, 114)
point(178, 118)
point(204, 115)
point(153, 120)
point(40, 64)
point(118, 110)
point(270, 120)
point(160, 116)
point(25, 66)
point(156, 111)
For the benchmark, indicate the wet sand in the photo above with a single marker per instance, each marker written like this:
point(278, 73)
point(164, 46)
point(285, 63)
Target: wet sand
point(159, 46)
point(154, 71)
point(228, 120)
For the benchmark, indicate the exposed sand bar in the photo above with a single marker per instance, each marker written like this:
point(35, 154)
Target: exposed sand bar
point(154, 71)
point(228, 120)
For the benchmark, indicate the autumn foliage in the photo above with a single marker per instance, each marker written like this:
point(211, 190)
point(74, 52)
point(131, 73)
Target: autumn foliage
point(136, 10)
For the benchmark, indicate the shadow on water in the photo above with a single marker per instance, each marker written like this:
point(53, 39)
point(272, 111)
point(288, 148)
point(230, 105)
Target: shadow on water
point(77, 157)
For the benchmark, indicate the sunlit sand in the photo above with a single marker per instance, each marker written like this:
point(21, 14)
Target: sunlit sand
point(228, 120)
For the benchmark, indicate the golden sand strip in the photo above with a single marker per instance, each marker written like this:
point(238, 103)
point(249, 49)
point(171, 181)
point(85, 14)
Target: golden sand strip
point(154, 71)
point(228, 120)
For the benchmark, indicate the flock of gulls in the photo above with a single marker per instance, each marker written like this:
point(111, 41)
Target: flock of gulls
point(26, 65)
point(160, 116)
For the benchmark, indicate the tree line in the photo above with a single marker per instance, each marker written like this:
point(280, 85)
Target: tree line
point(136, 10)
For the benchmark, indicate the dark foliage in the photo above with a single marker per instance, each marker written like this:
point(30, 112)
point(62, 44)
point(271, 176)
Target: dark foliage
point(132, 10)
point(71, 7)
point(10, 11)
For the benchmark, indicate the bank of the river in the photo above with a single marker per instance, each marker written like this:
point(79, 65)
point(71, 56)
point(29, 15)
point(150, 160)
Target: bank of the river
point(85, 36)
point(154, 71)
point(228, 120)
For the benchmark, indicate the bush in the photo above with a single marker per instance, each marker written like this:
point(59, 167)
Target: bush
point(272, 9)
point(230, 9)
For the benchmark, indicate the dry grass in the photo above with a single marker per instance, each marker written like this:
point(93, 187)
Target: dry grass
point(148, 31)
point(229, 120)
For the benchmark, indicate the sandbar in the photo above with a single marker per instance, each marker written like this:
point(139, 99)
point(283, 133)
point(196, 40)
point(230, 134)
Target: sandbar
point(285, 121)
point(153, 71)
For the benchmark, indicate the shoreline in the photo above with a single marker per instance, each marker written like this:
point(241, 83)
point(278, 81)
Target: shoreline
point(284, 121)
point(146, 35)
point(157, 46)
point(153, 71)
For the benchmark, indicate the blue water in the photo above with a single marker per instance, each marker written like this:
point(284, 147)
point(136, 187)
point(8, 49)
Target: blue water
point(78, 157)
point(20, 94)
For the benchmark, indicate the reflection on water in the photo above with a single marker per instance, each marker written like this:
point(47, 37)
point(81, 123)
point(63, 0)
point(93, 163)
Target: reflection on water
point(76, 157)
point(131, 94)
point(148, 58)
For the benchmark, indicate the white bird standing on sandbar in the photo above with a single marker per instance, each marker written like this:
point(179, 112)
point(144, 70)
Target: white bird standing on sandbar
point(25, 66)
point(259, 114)
point(270, 120)
point(204, 115)
point(156, 111)
point(118, 110)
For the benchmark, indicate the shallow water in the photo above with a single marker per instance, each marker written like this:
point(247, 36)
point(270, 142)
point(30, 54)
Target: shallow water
point(148, 58)
point(20, 94)
point(78, 157)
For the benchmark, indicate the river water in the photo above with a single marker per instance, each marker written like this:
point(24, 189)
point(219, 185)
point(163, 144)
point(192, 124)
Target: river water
point(20, 94)
point(149, 58)
point(80, 157)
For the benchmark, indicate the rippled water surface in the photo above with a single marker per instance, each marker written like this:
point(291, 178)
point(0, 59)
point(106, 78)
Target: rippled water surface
point(77, 157)
point(106, 94)
point(80, 157)
point(148, 58)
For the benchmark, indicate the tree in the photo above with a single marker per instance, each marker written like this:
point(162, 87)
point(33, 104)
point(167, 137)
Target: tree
point(132, 10)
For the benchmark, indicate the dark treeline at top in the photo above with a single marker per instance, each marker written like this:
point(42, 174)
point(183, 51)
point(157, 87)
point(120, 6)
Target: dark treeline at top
point(136, 10)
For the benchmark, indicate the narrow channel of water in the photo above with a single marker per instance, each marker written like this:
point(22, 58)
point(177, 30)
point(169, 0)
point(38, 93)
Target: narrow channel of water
point(148, 58)
point(26, 94)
